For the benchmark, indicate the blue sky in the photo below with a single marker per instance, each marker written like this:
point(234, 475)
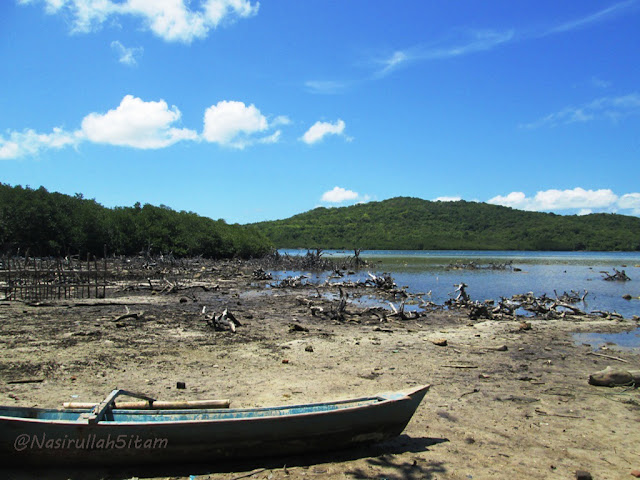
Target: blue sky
point(251, 111)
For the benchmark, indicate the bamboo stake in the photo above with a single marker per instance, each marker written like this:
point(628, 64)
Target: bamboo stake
point(157, 405)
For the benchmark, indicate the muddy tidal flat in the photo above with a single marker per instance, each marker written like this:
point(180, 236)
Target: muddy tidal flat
point(508, 399)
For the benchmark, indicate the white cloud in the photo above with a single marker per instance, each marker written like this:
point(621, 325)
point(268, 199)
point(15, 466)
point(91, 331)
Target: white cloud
point(319, 130)
point(630, 201)
point(326, 87)
point(466, 43)
point(29, 142)
point(127, 56)
point(612, 108)
point(273, 138)
point(171, 20)
point(394, 61)
point(578, 199)
point(150, 125)
point(339, 195)
point(599, 83)
point(136, 123)
point(280, 120)
point(232, 124)
point(475, 41)
point(597, 17)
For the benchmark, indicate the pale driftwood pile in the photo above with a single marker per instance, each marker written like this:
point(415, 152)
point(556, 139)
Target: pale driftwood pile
point(542, 306)
point(337, 310)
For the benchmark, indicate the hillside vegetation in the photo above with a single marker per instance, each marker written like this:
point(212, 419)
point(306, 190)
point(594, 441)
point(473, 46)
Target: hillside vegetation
point(47, 223)
point(412, 223)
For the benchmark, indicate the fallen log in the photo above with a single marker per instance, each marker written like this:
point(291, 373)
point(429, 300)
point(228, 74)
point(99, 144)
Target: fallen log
point(26, 380)
point(135, 315)
point(610, 377)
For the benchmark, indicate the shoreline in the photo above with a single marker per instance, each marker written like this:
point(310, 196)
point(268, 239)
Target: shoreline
point(505, 402)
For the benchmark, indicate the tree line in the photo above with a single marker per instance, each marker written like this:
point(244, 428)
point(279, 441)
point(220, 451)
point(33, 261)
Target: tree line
point(414, 224)
point(51, 224)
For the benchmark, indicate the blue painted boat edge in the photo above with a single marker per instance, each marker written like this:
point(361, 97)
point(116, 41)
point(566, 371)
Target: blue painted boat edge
point(415, 394)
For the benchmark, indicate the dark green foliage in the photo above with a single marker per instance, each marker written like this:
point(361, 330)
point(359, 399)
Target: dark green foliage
point(415, 224)
point(55, 224)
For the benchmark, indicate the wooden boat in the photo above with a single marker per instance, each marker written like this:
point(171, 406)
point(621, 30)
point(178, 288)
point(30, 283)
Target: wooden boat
point(108, 435)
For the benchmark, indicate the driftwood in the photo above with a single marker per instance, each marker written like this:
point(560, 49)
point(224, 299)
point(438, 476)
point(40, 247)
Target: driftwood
point(134, 315)
point(462, 293)
point(226, 320)
point(572, 297)
point(541, 306)
point(26, 380)
point(383, 282)
point(574, 310)
point(610, 377)
point(260, 274)
point(290, 282)
point(400, 313)
point(480, 310)
point(608, 356)
point(475, 266)
point(605, 314)
point(618, 276)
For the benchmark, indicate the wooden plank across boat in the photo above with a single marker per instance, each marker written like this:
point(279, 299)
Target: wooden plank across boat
point(108, 435)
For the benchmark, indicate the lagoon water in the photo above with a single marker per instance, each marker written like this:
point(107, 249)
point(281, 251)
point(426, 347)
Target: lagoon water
point(540, 272)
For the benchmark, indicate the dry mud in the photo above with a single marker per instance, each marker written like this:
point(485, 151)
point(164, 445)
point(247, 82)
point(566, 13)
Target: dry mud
point(526, 411)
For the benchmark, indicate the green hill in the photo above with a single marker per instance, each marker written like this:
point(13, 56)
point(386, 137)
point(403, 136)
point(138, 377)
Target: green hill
point(45, 223)
point(412, 223)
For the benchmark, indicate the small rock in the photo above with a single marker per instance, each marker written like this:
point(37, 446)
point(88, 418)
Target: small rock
point(627, 296)
point(583, 475)
point(285, 360)
point(440, 342)
point(294, 327)
point(525, 326)
point(501, 348)
point(635, 473)
point(309, 348)
point(181, 385)
point(184, 299)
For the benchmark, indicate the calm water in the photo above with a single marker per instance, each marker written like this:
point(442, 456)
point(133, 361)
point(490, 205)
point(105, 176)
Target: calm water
point(541, 272)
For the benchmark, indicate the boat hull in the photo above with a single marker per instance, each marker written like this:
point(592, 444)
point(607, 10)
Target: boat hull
point(131, 437)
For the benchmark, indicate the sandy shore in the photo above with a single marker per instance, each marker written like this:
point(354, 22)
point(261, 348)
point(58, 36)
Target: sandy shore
point(505, 402)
